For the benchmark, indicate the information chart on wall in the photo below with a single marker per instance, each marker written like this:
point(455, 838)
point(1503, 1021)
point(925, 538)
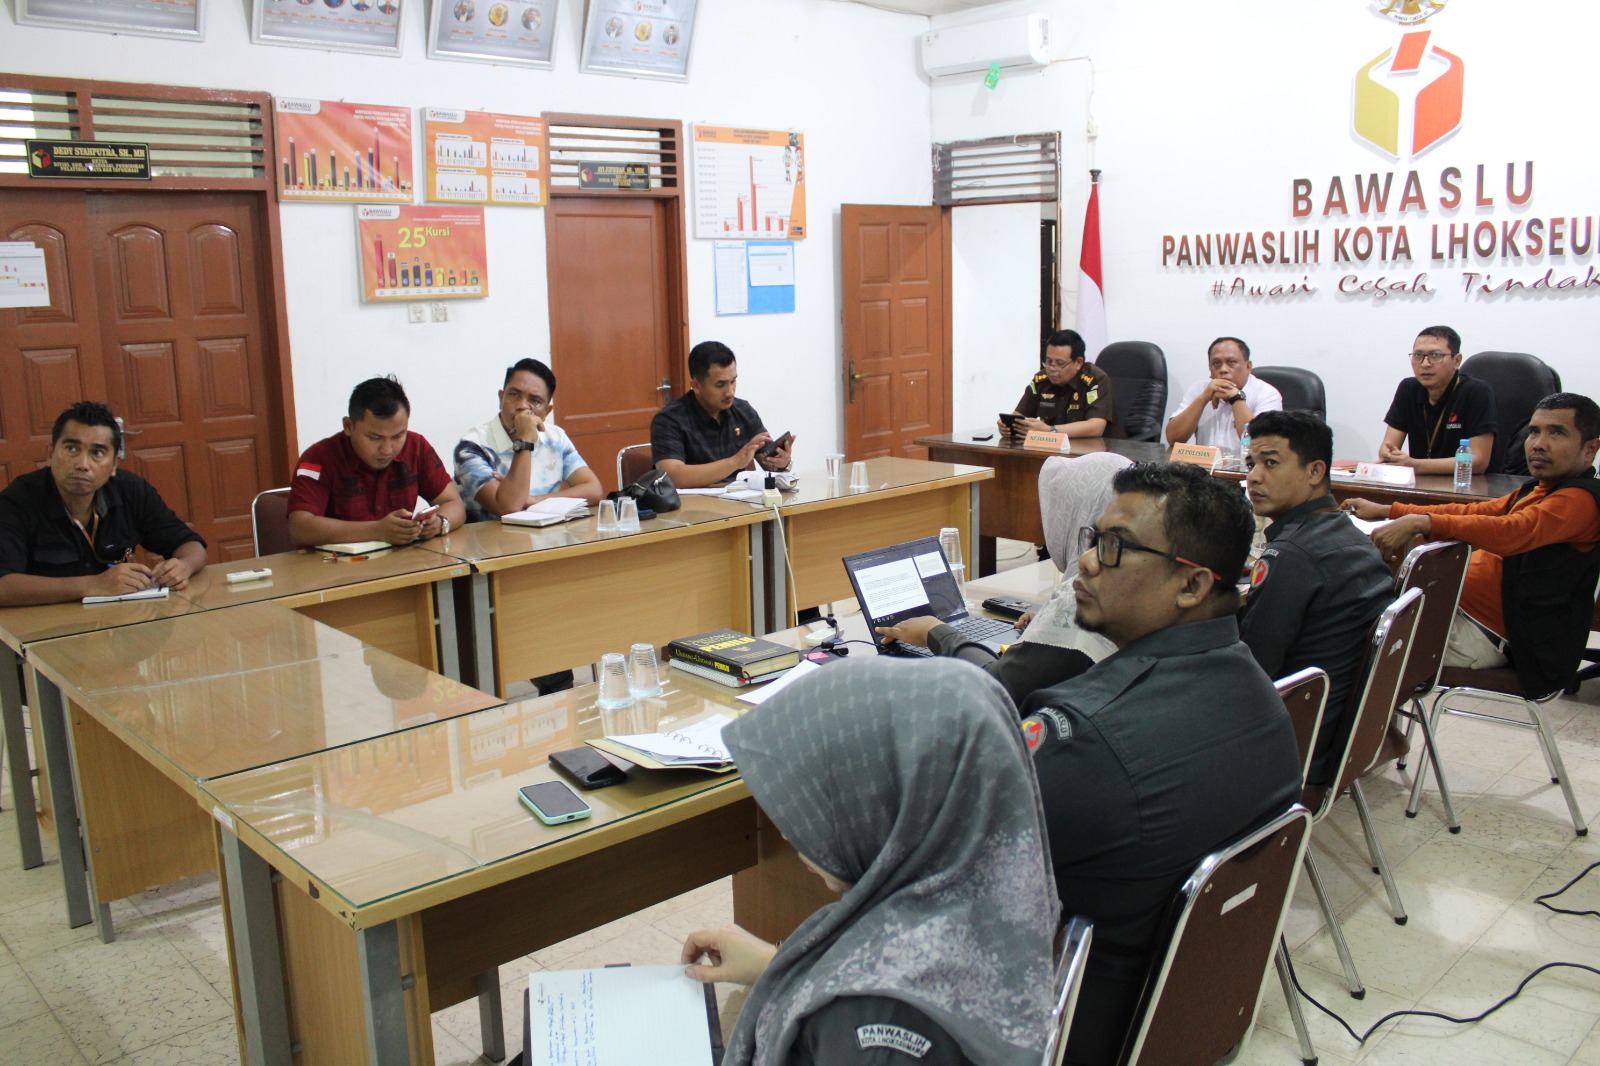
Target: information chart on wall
point(749, 183)
point(329, 150)
point(477, 157)
point(422, 253)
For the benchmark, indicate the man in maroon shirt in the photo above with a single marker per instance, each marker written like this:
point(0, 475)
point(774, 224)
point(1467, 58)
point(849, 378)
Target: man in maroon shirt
point(363, 483)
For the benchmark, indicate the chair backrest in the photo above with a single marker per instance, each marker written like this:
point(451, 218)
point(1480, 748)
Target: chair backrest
point(1438, 569)
point(1379, 691)
point(1302, 390)
point(1138, 372)
point(269, 521)
point(633, 462)
point(1069, 979)
point(1519, 381)
point(1305, 697)
point(1203, 994)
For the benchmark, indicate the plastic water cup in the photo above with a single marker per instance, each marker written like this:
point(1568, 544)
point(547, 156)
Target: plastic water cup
point(645, 679)
point(614, 681)
point(628, 515)
point(950, 543)
point(608, 517)
point(858, 477)
point(835, 466)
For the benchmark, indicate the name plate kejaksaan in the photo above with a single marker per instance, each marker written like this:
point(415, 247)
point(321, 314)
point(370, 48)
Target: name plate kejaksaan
point(1051, 442)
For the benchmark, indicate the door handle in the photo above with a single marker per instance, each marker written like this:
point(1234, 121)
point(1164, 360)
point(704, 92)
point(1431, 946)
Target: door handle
point(664, 390)
point(853, 378)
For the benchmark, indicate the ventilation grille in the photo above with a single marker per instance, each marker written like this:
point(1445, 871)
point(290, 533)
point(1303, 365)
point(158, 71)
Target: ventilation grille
point(997, 170)
point(658, 149)
point(187, 139)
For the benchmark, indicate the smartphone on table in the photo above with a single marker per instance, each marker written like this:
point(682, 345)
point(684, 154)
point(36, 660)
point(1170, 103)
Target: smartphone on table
point(588, 767)
point(553, 803)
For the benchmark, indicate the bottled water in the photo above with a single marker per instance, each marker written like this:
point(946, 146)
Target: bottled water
point(1464, 467)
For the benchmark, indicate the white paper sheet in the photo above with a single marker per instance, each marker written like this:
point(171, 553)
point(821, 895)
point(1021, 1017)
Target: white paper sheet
point(699, 741)
point(891, 587)
point(763, 693)
point(24, 282)
point(619, 1016)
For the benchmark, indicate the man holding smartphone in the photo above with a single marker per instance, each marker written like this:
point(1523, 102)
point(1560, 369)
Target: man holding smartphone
point(708, 435)
point(363, 482)
point(1068, 396)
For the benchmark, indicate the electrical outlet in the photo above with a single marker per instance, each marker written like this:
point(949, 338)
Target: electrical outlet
point(416, 313)
point(441, 312)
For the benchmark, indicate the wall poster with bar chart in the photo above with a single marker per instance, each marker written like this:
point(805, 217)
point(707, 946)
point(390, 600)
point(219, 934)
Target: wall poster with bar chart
point(478, 157)
point(416, 253)
point(329, 150)
point(749, 184)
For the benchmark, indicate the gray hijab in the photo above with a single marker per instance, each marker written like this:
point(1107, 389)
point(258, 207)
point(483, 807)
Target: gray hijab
point(910, 782)
point(1072, 493)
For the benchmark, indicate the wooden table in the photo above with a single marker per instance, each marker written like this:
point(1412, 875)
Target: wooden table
point(1011, 500)
point(549, 599)
point(824, 521)
point(410, 870)
point(394, 600)
point(135, 718)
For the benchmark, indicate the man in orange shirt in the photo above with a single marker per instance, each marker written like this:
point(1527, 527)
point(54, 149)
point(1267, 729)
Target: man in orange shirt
point(1529, 593)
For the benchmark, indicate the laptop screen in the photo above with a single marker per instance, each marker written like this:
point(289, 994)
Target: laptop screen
point(903, 581)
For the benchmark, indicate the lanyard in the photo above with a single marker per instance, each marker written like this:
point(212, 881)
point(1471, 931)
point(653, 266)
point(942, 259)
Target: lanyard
point(1444, 410)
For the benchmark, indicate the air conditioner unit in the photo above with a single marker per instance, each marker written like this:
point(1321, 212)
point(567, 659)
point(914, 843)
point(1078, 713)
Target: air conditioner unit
point(1022, 41)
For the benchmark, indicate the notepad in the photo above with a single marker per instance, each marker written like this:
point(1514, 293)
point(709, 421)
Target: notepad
point(695, 747)
point(547, 511)
point(355, 547)
point(154, 592)
point(617, 1016)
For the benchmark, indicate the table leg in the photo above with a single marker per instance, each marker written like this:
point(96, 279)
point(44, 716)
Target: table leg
point(383, 1005)
point(760, 574)
point(77, 871)
point(16, 742)
point(253, 914)
point(490, 1020)
point(444, 608)
point(482, 634)
point(779, 609)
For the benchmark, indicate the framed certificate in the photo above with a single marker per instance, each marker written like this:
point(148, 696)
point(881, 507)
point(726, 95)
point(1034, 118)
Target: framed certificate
point(518, 32)
point(346, 25)
point(184, 19)
point(639, 38)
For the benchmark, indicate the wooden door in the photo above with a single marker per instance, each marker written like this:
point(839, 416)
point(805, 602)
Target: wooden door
point(896, 301)
point(49, 356)
point(615, 320)
point(178, 282)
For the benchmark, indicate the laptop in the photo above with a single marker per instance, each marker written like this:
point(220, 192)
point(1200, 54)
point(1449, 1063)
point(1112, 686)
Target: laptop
point(906, 580)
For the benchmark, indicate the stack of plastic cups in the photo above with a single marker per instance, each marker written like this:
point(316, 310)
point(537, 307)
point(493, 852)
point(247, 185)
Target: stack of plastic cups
point(950, 544)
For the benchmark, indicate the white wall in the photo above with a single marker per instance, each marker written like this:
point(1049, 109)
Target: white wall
point(843, 74)
point(1207, 112)
point(994, 251)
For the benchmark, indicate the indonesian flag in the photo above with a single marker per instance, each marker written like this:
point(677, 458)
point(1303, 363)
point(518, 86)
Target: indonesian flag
point(1091, 294)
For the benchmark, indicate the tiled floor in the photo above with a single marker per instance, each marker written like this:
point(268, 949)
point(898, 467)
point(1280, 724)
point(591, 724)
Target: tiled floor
point(159, 994)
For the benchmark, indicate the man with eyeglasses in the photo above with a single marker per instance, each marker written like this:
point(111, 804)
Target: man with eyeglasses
point(519, 457)
point(1169, 747)
point(1436, 407)
point(1068, 396)
point(1320, 584)
point(1214, 412)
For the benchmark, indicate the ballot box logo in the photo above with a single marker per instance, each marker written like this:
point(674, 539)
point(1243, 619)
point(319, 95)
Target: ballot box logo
point(1409, 97)
point(1409, 12)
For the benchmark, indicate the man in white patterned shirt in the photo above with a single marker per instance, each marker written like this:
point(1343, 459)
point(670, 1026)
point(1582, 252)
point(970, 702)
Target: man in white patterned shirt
point(517, 458)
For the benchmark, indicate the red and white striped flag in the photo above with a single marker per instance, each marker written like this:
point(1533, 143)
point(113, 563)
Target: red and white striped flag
point(1091, 293)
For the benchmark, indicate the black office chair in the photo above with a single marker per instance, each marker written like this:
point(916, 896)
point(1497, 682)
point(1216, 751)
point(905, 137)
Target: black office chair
point(1302, 390)
point(1519, 381)
point(1138, 372)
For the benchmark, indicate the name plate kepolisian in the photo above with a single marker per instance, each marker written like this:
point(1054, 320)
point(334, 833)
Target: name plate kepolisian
point(124, 161)
point(1198, 454)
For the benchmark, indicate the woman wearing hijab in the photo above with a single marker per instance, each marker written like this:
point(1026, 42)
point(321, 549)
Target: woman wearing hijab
point(1072, 493)
point(930, 827)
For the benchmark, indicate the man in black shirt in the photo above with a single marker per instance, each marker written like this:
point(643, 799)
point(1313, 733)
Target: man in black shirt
point(1438, 406)
point(1321, 583)
point(69, 530)
point(1166, 749)
point(707, 435)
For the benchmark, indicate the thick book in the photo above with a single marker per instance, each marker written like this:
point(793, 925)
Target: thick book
point(732, 652)
point(730, 680)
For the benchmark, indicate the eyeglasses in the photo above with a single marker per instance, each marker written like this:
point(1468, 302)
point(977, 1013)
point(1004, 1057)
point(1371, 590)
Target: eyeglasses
point(1430, 358)
point(1057, 364)
point(1108, 548)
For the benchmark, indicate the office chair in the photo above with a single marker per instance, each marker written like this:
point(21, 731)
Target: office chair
point(1138, 372)
point(633, 462)
point(1519, 382)
point(1069, 980)
point(1301, 389)
point(269, 522)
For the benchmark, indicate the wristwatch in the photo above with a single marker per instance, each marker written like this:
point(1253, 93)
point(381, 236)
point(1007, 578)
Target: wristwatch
point(523, 446)
point(444, 524)
point(1236, 397)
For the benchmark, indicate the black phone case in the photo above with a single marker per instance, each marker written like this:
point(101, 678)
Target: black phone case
point(587, 767)
point(1008, 606)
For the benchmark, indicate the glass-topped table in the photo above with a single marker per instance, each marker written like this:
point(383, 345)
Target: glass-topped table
point(136, 717)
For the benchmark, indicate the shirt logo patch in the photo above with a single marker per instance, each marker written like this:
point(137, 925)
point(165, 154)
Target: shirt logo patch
point(310, 470)
point(1093, 395)
point(1258, 573)
point(1032, 733)
point(895, 1037)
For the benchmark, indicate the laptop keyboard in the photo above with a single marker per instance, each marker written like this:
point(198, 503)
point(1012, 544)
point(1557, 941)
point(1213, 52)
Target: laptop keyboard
point(971, 628)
